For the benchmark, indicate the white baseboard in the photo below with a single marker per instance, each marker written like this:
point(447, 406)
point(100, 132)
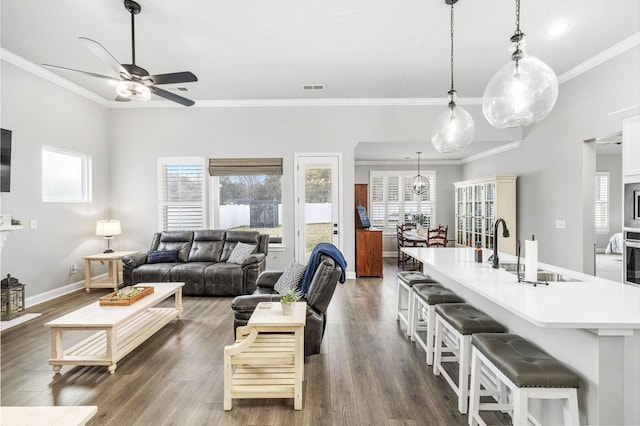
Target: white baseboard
point(56, 292)
point(351, 275)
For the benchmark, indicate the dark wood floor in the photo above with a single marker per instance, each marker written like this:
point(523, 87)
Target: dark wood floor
point(368, 373)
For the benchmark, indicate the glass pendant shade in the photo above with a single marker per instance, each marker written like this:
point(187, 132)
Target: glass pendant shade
point(521, 93)
point(453, 130)
point(133, 90)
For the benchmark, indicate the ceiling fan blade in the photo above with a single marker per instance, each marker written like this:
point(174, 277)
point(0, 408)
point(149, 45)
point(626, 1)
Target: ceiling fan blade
point(105, 56)
point(172, 78)
point(171, 96)
point(90, 74)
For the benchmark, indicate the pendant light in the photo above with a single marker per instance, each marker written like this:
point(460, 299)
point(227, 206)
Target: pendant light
point(454, 127)
point(523, 91)
point(419, 184)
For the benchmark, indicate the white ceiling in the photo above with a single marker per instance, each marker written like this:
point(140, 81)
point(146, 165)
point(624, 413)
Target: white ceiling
point(266, 50)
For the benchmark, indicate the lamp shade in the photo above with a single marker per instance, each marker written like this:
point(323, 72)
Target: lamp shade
point(108, 228)
point(453, 130)
point(521, 93)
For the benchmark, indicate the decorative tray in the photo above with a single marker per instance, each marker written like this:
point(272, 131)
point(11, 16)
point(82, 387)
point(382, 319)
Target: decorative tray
point(126, 296)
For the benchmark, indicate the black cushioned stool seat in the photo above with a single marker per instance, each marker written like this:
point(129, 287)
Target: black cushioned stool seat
point(404, 295)
point(528, 372)
point(458, 321)
point(412, 277)
point(524, 363)
point(425, 297)
point(467, 319)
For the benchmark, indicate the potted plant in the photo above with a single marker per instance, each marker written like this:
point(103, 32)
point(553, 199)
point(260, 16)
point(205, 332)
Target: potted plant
point(419, 219)
point(288, 299)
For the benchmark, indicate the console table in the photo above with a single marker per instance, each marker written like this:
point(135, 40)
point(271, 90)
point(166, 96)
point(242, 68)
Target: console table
point(119, 329)
point(268, 355)
point(114, 270)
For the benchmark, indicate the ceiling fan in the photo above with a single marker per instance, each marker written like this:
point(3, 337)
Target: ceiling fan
point(134, 82)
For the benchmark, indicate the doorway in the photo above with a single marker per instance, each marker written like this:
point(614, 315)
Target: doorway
point(318, 187)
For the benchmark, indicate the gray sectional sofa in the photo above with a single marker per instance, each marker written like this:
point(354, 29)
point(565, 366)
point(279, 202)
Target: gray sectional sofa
point(200, 260)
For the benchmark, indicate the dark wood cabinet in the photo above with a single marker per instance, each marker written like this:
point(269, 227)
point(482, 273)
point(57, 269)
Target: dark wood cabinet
point(368, 253)
point(368, 241)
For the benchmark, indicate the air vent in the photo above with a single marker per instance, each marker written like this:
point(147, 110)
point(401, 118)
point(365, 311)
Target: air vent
point(313, 87)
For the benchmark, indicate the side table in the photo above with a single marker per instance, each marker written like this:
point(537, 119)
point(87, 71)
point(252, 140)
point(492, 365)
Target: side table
point(114, 270)
point(268, 355)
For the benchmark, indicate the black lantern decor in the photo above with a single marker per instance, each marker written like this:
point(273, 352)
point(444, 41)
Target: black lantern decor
point(12, 295)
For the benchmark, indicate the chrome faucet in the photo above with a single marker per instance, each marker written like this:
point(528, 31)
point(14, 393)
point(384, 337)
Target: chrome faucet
point(505, 233)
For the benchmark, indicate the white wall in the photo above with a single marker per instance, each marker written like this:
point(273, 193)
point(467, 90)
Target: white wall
point(39, 112)
point(549, 162)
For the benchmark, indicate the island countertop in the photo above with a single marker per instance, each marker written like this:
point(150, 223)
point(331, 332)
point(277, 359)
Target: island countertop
point(593, 303)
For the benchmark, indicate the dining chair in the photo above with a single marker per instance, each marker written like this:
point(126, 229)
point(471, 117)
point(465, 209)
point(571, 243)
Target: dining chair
point(437, 237)
point(403, 241)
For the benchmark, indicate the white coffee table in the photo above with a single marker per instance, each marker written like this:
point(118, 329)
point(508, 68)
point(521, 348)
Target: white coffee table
point(47, 416)
point(119, 329)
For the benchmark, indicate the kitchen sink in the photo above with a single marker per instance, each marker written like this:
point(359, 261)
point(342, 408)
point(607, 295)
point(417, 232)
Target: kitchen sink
point(542, 274)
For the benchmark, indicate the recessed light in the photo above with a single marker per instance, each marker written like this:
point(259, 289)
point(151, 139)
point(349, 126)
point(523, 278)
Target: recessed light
point(557, 29)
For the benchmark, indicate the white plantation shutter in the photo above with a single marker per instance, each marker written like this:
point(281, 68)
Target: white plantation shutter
point(602, 202)
point(392, 201)
point(181, 193)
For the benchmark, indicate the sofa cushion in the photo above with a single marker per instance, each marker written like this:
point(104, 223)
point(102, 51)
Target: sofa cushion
point(240, 252)
point(192, 275)
point(177, 240)
point(223, 279)
point(289, 278)
point(162, 256)
point(157, 272)
point(232, 238)
point(207, 245)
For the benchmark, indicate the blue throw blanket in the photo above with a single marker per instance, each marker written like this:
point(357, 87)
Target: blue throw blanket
point(326, 249)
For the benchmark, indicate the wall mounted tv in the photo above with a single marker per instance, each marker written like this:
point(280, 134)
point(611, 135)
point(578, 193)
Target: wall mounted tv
point(5, 160)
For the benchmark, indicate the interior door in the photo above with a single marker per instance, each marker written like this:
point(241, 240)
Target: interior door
point(318, 193)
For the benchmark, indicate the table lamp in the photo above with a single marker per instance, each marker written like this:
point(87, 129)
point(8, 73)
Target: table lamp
point(108, 228)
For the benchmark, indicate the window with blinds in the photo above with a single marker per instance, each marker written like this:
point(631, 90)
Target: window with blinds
point(181, 199)
point(602, 202)
point(392, 201)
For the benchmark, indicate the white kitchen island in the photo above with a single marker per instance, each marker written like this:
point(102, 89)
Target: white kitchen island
point(590, 324)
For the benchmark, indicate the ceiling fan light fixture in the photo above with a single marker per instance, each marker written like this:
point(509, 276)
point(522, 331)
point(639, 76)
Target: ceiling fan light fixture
point(133, 90)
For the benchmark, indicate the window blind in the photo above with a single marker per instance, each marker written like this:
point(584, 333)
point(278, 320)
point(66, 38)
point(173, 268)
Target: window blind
point(602, 202)
point(181, 194)
point(245, 166)
point(392, 200)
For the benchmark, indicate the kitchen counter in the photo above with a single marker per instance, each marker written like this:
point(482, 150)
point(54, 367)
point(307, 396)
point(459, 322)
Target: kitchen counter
point(589, 323)
point(587, 303)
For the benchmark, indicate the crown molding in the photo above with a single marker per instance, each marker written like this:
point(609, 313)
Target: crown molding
point(493, 151)
point(331, 102)
point(407, 162)
point(600, 58)
point(34, 69)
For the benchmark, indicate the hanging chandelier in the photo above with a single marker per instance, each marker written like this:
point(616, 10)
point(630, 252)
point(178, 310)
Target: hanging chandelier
point(454, 127)
point(419, 184)
point(522, 92)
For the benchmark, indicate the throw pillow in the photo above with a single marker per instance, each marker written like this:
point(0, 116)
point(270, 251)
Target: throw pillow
point(290, 277)
point(162, 256)
point(240, 252)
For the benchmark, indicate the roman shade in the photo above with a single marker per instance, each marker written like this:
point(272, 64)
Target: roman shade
point(245, 166)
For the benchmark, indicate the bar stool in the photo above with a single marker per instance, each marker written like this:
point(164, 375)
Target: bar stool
point(455, 323)
point(425, 299)
point(527, 371)
point(404, 298)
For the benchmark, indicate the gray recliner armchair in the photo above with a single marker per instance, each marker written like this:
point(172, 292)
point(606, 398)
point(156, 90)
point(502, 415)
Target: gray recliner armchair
point(323, 285)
